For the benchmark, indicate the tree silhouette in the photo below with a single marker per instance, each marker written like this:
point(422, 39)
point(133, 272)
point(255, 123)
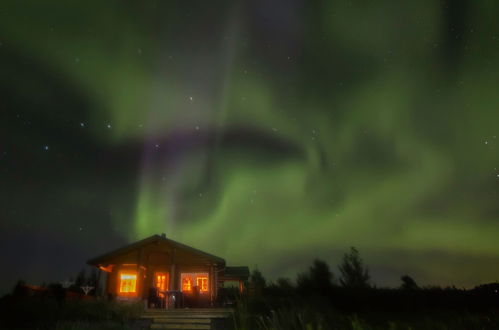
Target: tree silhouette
point(81, 279)
point(408, 283)
point(319, 278)
point(284, 284)
point(353, 272)
point(257, 282)
point(93, 278)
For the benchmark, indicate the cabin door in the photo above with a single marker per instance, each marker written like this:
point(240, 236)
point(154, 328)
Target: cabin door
point(161, 281)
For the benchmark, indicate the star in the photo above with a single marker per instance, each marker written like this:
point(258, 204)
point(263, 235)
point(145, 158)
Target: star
point(108, 125)
point(46, 147)
point(82, 124)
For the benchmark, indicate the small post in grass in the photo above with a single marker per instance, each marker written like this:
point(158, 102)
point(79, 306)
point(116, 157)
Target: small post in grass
point(86, 289)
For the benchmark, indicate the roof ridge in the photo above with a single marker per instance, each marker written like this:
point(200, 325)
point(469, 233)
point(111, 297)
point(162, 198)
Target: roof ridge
point(150, 239)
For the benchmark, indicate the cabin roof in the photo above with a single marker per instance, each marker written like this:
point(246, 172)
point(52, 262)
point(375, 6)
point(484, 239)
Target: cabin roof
point(155, 238)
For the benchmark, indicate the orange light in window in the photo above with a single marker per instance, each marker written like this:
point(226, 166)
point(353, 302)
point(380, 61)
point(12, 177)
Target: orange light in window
point(186, 284)
point(161, 282)
point(128, 283)
point(202, 283)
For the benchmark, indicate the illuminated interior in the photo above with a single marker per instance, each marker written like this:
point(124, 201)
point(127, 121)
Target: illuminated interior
point(202, 283)
point(128, 283)
point(161, 282)
point(200, 280)
point(186, 284)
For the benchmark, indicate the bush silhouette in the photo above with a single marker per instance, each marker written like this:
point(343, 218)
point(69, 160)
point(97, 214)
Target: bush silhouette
point(408, 283)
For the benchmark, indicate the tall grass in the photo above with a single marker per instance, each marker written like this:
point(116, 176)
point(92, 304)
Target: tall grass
point(271, 313)
point(86, 325)
point(48, 313)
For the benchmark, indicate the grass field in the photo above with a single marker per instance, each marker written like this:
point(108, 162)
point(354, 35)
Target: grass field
point(278, 307)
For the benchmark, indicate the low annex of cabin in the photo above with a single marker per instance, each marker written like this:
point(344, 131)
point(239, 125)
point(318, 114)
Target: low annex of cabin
point(166, 274)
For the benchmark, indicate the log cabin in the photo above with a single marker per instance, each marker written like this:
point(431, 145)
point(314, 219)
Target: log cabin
point(165, 273)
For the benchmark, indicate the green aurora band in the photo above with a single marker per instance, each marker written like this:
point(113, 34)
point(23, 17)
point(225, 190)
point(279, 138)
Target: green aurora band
point(391, 141)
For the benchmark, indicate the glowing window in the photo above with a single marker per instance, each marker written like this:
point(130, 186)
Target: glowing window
point(186, 284)
point(202, 283)
point(128, 283)
point(161, 281)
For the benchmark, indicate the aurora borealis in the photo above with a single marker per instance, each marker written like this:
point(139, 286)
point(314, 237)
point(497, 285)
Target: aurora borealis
point(266, 132)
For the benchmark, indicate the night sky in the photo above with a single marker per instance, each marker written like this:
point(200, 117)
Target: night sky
point(265, 132)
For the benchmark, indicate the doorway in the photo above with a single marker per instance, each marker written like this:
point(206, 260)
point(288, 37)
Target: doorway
point(161, 282)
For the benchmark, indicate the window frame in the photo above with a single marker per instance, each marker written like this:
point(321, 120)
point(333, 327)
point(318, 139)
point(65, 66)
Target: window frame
point(128, 283)
point(205, 278)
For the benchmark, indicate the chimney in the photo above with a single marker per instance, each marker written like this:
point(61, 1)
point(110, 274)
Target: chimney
point(163, 235)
